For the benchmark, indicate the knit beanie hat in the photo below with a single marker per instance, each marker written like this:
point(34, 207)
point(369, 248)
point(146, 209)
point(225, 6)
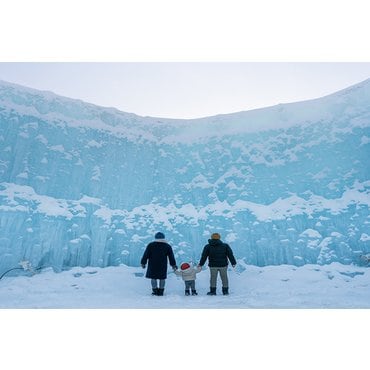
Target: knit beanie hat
point(184, 266)
point(215, 236)
point(159, 235)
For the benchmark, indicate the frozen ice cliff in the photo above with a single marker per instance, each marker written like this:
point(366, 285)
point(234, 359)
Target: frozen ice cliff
point(82, 185)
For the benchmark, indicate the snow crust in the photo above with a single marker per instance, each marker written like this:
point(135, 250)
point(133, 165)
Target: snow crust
point(284, 286)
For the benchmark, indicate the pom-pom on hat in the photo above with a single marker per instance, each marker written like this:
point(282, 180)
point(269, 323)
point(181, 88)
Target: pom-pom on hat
point(215, 236)
point(184, 266)
point(159, 235)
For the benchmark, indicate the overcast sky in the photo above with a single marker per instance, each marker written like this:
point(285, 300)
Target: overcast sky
point(187, 90)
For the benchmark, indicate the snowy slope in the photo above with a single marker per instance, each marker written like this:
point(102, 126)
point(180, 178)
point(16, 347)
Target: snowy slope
point(82, 185)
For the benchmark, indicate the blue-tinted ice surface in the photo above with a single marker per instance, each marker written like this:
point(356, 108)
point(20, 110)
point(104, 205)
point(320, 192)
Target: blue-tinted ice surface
point(85, 185)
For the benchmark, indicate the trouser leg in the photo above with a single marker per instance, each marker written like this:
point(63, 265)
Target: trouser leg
point(193, 291)
point(213, 280)
point(192, 285)
point(224, 278)
point(154, 283)
point(187, 287)
point(162, 283)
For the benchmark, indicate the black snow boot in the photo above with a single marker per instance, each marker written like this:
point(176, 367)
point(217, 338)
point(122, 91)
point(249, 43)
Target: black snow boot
point(160, 291)
point(225, 291)
point(155, 291)
point(187, 292)
point(212, 291)
point(194, 292)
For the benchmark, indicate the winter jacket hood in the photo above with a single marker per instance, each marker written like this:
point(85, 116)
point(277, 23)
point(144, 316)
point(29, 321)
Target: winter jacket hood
point(214, 242)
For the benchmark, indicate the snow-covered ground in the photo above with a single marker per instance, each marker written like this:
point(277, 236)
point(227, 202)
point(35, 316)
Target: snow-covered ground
point(284, 286)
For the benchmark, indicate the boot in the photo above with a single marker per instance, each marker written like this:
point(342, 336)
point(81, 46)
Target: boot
point(155, 291)
point(194, 292)
point(212, 291)
point(160, 291)
point(187, 292)
point(225, 291)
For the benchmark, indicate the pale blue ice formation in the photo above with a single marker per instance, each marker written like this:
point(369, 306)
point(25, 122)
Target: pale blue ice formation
point(82, 185)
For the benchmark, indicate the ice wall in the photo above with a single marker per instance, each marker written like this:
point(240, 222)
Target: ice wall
point(85, 185)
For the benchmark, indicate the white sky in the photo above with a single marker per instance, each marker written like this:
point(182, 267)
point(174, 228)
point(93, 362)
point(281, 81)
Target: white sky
point(187, 90)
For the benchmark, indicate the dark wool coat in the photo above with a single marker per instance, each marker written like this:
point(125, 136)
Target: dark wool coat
point(157, 253)
point(217, 253)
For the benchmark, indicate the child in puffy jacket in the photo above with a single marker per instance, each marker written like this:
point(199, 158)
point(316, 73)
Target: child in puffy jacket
point(188, 274)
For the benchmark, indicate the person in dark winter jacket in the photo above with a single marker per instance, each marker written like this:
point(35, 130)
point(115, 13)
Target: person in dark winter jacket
point(218, 254)
point(156, 254)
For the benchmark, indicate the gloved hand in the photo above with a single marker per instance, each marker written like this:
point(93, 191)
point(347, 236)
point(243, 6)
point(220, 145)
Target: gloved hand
point(233, 266)
point(143, 266)
point(174, 268)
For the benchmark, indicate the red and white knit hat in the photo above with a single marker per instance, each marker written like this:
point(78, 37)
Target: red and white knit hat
point(184, 266)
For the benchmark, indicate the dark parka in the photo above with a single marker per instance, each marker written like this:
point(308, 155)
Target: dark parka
point(157, 253)
point(217, 253)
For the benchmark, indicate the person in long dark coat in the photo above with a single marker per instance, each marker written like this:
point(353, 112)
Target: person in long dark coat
point(218, 254)
point(156, 254)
